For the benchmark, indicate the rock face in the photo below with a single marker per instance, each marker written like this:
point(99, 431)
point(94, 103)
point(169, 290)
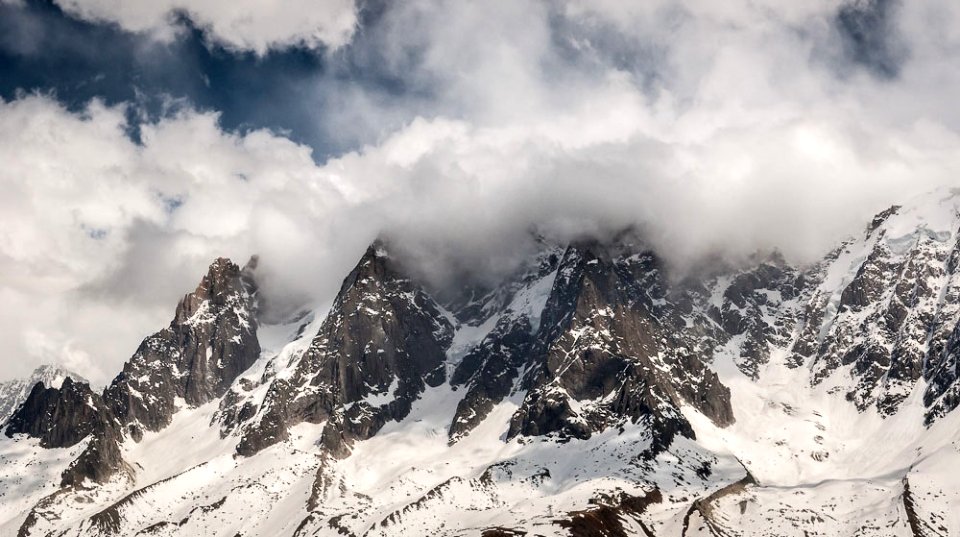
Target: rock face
point(59, 417)
point(608, 351)
point(757, 306)
point(489, 372)
point(942, 394)
point(381, 345)
point(14, 392)
point(63, 417)
point(490, 369)
point(892, 322)
point(211, 340)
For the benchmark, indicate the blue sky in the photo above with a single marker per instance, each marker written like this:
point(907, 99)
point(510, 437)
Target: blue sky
point(290, 88)
point(287, 89)
point(143, 139)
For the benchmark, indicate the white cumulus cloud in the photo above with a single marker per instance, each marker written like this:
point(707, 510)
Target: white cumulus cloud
point(716, 129)
point(249, 25)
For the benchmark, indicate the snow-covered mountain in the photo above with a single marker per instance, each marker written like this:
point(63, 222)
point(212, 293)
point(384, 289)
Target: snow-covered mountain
point(591, 393)
point(14, 392)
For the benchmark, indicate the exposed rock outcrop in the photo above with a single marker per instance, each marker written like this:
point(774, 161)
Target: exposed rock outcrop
point(382, 344)
point(608, 350)
point(63, 417)
point(59, 417)
point(756, 305)
point(14, 392)
point(891, 325)
point(211, 340)
point(489, 371)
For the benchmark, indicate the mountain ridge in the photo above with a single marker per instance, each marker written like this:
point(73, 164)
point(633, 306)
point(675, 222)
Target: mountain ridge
point(14, 392)
point(595, 382)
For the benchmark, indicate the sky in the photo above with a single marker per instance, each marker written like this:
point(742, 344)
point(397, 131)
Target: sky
point(142, 139)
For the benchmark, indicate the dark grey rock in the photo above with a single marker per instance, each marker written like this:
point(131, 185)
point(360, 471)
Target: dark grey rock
point(489, 372)
point(384, 336)
point(58, 417)
point(210, 342)
point(609, 345)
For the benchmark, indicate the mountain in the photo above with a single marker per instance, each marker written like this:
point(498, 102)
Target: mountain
point(595, 391)
point(14, 392)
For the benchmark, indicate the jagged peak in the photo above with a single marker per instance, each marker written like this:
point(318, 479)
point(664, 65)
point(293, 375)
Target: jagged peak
point(936, 213)
point(54, 375)
point(59, 417)
point(224, 279)
point(376, 262)
point(882, 217)
point(219, 276)
point(380, 247)
point(223, 275)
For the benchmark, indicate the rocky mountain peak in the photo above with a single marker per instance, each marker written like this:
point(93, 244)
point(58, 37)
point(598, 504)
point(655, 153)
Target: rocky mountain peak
point(59, 417)
point(606, 353)
point(53, 376)
point(224, 283)
point(14, 392)
point(889, 324)
point(382, 343)
point(881, 217)
point(211, 340)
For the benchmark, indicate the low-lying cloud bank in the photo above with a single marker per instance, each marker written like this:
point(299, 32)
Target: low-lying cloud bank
point(718, 128)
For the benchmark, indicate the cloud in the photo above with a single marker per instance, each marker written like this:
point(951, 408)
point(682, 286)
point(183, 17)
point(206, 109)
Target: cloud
point(244, 25)
point(99, 236)
point(713, 128)
point(870, 38)
point(735, 126)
